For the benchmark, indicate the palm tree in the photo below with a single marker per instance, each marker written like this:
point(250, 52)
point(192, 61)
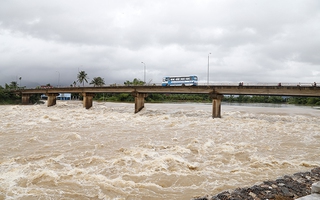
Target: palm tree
point(82, 77)
point(97, 81)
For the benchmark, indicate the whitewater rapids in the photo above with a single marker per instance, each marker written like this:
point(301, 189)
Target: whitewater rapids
point(166, 151)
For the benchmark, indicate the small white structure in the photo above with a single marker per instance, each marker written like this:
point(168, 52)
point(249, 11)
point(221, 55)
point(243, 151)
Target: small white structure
point(62, 96)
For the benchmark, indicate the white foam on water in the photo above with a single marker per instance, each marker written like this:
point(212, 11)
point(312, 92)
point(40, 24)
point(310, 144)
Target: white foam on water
point(174, 151)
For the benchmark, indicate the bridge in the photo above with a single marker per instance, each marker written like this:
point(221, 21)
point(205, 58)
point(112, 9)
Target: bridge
point(216, 92)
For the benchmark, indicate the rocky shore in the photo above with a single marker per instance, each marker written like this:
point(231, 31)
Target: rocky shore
point(284, 188)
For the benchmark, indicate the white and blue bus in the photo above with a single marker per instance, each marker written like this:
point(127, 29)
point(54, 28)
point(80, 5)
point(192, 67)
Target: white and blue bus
point(180, 81)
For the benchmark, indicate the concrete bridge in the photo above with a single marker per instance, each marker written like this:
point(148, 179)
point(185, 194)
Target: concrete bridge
point(216, 93)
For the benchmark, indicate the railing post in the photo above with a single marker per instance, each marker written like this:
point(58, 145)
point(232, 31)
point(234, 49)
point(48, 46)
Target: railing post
point(216, 105)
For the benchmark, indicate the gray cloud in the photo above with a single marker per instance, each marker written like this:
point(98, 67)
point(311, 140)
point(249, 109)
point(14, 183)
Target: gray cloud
point(251, 41)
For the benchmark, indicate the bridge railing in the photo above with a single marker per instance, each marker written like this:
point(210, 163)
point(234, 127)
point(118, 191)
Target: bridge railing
point(259, 84)
point(244, 84)
point(200, 84)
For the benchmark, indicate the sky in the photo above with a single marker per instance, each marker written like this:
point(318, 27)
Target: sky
point(254, 41)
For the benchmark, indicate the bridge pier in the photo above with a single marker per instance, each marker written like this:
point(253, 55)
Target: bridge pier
point(25, 99)
point(87, 100)
point(52, 99)
point(138, 101)
point(216, 105)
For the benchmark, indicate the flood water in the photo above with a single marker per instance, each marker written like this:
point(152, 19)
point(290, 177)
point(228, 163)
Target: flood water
point(166, 151)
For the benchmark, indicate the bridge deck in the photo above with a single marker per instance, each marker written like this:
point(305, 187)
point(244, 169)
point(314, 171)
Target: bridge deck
point(222, 89)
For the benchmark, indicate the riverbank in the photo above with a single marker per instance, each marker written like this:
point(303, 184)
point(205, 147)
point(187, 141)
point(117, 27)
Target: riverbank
point(284, 188)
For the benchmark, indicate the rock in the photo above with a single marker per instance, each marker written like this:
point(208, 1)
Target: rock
point(284, 188)
point(315, 187)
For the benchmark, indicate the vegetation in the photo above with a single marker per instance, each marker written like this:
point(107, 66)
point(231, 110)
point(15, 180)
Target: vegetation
point(73, 84)
point(134, 82)
point(126, 97)
point(254, 99)
point(44, 86)
point(205, 98)
point(82, 77)
point(309, 101)
point(13, 85)
point(97, 81)
point(7, 96)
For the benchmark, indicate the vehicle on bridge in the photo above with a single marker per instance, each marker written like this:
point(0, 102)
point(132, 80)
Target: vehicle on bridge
point(180, 81)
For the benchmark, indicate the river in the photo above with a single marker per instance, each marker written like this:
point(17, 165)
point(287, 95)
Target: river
point(166, 151)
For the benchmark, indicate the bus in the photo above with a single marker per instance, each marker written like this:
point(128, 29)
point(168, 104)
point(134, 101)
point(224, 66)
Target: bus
point(180, 80)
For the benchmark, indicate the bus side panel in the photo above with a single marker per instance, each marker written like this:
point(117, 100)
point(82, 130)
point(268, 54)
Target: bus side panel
point(180, 81)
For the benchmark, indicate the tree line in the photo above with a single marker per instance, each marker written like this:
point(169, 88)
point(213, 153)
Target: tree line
point(205, 98)
point(82, 77)
point(7, 95)
point(310, 101)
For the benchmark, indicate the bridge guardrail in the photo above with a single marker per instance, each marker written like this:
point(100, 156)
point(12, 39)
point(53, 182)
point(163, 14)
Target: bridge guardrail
point(200, 84)
point(259, 84)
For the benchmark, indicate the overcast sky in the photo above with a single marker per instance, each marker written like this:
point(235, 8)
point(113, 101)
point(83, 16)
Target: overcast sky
point(255, 41)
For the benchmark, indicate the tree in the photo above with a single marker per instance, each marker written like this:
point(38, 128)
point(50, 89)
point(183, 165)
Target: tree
point(82, 77)
point(7, 96)
point(134, 82)
point(137, 82)
point(13, 85)
point(127, 83)
point(97, 81)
